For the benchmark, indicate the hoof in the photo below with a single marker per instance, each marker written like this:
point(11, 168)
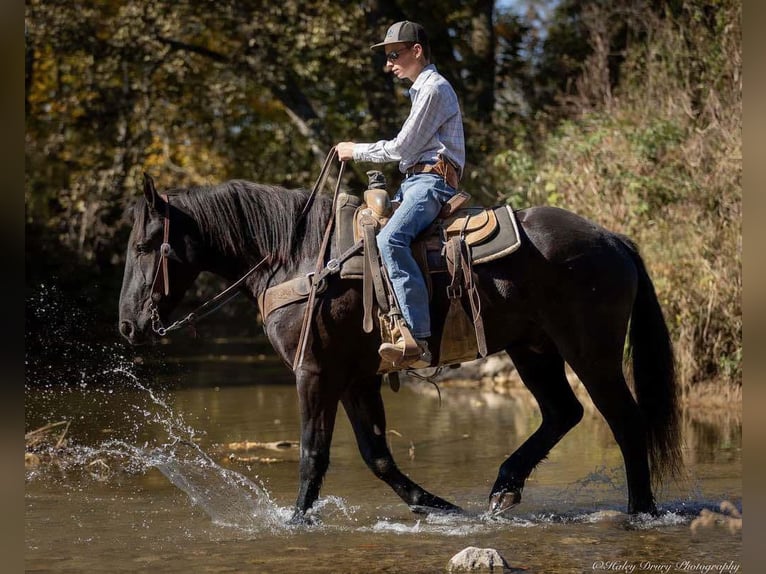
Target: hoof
point(650, 509)
point(300, 519)
point(503, 501)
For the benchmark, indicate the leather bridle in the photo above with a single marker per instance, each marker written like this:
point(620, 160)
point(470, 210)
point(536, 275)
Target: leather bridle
point(162, 264)
point(161, 280)
point(161, 285)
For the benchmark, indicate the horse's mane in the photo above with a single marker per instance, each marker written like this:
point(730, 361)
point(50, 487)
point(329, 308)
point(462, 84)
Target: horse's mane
point(249, 220)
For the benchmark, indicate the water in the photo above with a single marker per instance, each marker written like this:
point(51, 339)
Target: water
point(160, 480)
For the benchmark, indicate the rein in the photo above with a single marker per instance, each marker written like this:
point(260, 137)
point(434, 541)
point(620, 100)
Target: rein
point(202, 311)
point(309, 312)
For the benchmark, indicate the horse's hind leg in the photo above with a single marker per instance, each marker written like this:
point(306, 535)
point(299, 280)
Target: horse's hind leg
point(612, 397)
point(364, 407)
point(543, 373)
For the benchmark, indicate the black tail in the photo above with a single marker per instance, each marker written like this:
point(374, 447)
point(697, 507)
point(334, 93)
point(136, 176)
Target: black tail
point(654, 376)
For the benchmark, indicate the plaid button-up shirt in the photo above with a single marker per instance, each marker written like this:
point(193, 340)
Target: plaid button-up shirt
point(434, 126)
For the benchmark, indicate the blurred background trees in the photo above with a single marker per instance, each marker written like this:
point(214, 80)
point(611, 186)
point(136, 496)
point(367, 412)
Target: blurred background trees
point(625, 111)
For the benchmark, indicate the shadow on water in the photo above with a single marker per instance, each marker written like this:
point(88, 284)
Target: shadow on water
point(152, 476)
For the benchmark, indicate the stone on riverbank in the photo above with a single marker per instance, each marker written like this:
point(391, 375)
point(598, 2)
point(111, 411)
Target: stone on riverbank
point(478, 559)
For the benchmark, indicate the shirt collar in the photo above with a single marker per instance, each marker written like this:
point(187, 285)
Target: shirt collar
point(423, 76)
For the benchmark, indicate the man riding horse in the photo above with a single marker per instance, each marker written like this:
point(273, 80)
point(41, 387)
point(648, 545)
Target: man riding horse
point(430, 149)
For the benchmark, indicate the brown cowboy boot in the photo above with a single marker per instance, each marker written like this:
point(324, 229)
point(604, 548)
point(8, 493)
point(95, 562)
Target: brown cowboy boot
point(399, 355)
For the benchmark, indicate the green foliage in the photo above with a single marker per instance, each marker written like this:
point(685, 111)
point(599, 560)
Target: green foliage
point(660, 161)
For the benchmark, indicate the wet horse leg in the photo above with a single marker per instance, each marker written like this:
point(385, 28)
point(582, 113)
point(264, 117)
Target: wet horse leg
point(364, 407)
point(543, 374)
point(318, 409)
point(612, 397)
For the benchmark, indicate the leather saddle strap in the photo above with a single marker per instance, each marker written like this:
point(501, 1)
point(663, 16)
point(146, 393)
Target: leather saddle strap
point(372, 269)
point(284, 294)
point(298, 289)
point(461, 271)
point(377, 280)
point(454, 267)
point(474, 298)
point(367, 281)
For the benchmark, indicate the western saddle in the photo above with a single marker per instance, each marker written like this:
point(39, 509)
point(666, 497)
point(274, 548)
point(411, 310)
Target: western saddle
point(458, 239)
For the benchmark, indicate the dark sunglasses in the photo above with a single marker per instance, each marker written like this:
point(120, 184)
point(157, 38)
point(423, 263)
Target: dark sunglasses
point(393, 56)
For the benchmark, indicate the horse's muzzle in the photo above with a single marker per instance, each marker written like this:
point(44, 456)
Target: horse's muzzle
point(133, 335)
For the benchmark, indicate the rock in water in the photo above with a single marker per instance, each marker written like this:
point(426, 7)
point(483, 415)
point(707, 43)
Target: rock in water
point(483, 559)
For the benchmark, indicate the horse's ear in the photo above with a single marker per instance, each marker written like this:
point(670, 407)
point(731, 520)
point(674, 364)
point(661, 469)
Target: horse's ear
point(150, 193)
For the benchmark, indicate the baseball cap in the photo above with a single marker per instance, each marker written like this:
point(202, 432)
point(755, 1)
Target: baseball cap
point(405, 31)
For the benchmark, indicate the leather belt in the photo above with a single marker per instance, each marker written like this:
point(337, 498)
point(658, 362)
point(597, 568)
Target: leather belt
point(442, 167)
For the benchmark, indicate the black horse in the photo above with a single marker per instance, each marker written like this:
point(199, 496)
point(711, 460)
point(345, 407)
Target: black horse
point(571, 293)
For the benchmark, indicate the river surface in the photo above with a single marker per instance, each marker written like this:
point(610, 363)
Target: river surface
point(148, 478)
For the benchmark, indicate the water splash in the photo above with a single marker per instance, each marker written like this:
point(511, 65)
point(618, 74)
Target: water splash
point(92, 385)
point(452, 524)
point(229, 498)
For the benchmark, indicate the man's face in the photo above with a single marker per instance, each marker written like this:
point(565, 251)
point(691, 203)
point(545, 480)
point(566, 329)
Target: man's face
point(403, 60)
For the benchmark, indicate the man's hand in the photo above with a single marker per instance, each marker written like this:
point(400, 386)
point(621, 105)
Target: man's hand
point(345, 151)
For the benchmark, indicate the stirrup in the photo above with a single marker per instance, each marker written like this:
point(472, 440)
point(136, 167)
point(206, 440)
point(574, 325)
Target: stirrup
point(400, 356)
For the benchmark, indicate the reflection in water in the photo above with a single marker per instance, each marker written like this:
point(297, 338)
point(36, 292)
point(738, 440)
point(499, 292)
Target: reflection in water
point(712, 437)
point(174, 498)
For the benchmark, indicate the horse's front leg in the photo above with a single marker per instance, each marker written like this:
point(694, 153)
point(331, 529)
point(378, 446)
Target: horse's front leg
point(364, 407)
point(318, 407)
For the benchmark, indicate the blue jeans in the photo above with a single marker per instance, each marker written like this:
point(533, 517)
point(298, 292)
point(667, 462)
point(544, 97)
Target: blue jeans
point(422, 196)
